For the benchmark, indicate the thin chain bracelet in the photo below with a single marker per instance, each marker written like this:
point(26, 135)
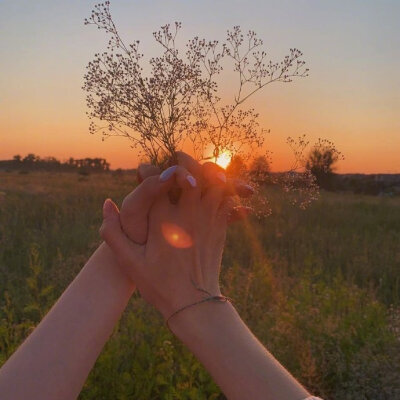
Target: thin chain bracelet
point(221, 299)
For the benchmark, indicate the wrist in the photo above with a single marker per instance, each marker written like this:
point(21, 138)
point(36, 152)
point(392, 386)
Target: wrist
point(201, 319)
point(114, 273)
point(186, 297)
point(216, 298)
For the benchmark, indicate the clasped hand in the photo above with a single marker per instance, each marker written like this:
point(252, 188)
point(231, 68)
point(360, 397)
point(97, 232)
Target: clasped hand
point(172, 252)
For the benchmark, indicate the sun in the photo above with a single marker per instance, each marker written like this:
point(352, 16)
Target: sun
point(224, 159)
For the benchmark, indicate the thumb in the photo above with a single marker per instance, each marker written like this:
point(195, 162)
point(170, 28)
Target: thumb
point(128, 253)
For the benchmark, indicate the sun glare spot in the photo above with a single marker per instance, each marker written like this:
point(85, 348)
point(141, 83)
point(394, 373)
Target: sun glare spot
point(224, 159)
point(176, 236)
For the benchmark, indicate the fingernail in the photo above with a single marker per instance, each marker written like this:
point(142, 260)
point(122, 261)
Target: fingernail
point(192, 180)
point(168, 173)
point(221, 176)
point(107, 208)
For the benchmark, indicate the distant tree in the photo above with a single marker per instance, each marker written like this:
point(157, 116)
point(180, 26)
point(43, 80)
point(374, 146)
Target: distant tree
point(50, 163)
point(260, 169)
point(30, 159)
point(17, 158)
point(105, 165)
point(321, 162)
point(237, 167)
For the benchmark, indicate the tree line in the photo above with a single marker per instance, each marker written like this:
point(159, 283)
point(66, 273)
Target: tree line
point(32, 162)
point(319, 162)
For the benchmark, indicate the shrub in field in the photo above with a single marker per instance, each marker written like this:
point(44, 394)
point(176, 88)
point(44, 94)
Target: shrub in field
point(321, 162)
point(260, 168)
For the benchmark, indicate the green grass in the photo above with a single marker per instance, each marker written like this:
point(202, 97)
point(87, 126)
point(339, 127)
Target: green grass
point(320, 288)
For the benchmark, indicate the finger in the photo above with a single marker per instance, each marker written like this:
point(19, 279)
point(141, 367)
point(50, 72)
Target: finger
point(214, 181)
point(189, 163)
point(190, 188)
point(136, 206)
point(127, 253)
point(226, 207)
point(184, 179)
point(184, 190)
point(146, 170)
point(213, 174)
point(185, 160)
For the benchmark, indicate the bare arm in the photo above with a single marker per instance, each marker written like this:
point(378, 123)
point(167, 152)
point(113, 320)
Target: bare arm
point(178, 266)
point(55, 360)
point(237, 361)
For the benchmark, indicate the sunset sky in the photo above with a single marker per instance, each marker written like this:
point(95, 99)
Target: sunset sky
point(352, 95)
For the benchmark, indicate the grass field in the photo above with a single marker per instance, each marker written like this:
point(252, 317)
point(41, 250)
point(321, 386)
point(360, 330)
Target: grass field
point(320, 288)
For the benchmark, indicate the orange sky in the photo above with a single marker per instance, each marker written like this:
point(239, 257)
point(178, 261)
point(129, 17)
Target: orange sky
point(352, 95)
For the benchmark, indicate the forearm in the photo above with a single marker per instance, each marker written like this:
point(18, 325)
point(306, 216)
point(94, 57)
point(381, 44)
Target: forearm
point(55, 360)
point(238, 362)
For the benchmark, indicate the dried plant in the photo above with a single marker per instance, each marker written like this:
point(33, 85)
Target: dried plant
point(177, 98)
point(228, 127)
point(298, 182)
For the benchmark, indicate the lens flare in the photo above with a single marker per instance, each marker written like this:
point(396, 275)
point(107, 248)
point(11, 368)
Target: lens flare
point(176, 236)
point(224, 159)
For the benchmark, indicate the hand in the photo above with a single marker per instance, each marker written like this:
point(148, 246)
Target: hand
point(135, 207)
point(180, 262)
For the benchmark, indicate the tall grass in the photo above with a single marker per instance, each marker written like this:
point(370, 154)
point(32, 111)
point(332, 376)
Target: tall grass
point(320, 288)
